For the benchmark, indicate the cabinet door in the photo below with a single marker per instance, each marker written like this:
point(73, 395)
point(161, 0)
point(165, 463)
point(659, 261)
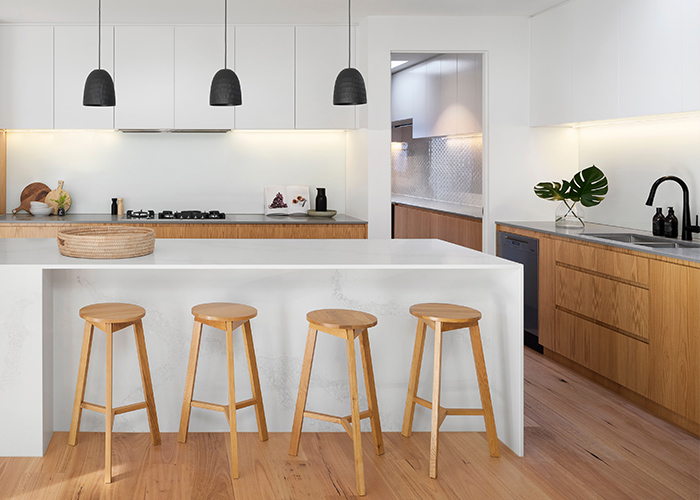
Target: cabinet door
point(446, 112)
point(469, 93)
point(594, 56)
point(433, 91)
point(265, 66)
point(419, 75)
point(550, 67)
point(199, 54)
point(26, 89)
point(143, 76)
point(321, 53)
point(75, 57)
point(402, 95)
point(690, 54)
point(650, 57)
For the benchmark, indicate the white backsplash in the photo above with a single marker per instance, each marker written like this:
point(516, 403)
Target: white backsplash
point(633, 156)
point(226, 172)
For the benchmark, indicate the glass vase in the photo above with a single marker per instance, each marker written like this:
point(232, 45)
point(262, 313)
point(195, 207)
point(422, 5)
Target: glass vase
point(569, 214)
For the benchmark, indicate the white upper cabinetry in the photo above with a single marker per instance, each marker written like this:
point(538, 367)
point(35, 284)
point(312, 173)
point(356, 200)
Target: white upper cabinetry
point(604, 59)
point(75, 56)
point(321, 53)
point(26, 86)
point(442, 95)
point(144, 77)
point(199, 54)
point(265, 67)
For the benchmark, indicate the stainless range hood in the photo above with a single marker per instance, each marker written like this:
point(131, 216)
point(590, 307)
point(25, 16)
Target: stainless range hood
point(174, 130)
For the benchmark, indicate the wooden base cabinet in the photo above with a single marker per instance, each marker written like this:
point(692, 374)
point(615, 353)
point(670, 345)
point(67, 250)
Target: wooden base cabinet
point(628, 320)
point(212, 231)
point(414, 222)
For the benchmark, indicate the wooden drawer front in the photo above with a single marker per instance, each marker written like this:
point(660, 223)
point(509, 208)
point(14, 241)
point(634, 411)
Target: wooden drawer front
point(608, 262)
point(301, 231)
point(180, 231)
point(613, 355)
point(422, 223)
point(615, 304)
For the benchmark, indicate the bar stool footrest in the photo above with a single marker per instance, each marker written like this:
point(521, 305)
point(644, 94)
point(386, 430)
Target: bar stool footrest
point(346, 421)
point(115, 411)
point(444, 412)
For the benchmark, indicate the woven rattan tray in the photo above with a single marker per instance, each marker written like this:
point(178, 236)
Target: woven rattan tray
point(106, 242)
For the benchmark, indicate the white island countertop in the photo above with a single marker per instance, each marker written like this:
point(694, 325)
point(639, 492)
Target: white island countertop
point(41, 331)
point(267, 254)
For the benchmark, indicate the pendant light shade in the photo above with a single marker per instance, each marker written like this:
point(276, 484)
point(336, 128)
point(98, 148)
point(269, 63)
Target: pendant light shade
point(99, 89)
point(225, 89)
point(349, 85)
point(349, 88)
point(225, 86)
point(99, 86)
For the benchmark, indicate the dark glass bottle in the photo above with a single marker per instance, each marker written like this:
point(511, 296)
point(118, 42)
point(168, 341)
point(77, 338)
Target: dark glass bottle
point(321, 201)
point(114, 206)
point(671, 224)
point(657, 223)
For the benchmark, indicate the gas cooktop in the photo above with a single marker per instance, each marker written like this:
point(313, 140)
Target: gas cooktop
point(169, 214)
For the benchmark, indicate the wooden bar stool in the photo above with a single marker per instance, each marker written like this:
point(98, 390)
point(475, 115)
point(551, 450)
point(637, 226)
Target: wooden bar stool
point(443, 318)
point(347, 325)
point(110, 318)
point(227, 317)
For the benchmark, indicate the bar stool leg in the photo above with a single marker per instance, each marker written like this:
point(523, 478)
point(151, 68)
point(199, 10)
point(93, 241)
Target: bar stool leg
point(303, 391)
point(80, 386)
point(355, 412)
point(484, 391)
point(371, 393)
point(109, 413)
point(231, 401)
point(435, 412)
point(189, 382)
point(254, 381)
point(413, 380)
point(146, 382)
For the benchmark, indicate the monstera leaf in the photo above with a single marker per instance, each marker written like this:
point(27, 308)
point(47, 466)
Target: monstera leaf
point(552, 190)
point(589, 186)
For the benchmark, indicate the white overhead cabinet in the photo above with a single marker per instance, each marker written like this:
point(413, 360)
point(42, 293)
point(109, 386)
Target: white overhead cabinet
point(321, 53)
point(26, 88)
point(446, 93)
point(265, 67)
point(402, 95)
point(199, 54)
point(144, 68)
point(605, 59)
point(75, 56)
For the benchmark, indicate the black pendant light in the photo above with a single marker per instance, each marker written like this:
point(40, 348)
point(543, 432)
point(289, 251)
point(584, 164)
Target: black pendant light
point(349, 85)
point(99, 87)
point(225, 87)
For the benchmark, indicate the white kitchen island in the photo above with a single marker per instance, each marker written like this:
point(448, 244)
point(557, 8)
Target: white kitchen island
point(41, 332)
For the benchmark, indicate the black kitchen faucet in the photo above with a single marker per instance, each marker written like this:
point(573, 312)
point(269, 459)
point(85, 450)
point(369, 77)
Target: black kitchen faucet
point(687, 228)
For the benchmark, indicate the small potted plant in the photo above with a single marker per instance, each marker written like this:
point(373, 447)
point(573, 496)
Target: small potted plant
point(588, 187)
point(61, 203)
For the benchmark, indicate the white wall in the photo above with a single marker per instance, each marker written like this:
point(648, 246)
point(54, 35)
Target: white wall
point(224, 172)
point(516, 157)
point(633, 156)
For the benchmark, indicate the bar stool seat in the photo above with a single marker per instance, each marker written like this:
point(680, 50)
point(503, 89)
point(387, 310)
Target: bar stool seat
point(228, 317)
point(345, 324)
point(442, 318)
point(111, 318)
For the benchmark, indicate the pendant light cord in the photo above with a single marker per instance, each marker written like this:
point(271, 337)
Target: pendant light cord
point(225, 34)
point(99, 35)
point(349, 34)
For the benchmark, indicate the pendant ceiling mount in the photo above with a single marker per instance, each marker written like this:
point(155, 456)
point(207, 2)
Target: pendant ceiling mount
point(349, 85)
point(99, 86)
point(225, 86)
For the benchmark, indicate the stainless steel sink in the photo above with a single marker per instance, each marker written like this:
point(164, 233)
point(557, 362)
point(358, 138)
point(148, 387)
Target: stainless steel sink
point(644, 240)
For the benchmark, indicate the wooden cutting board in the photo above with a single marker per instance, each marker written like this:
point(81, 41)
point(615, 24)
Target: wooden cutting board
point(36, 191)
point(55, 195)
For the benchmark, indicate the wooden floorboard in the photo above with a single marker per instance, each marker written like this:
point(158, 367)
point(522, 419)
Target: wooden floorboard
point(581, 442)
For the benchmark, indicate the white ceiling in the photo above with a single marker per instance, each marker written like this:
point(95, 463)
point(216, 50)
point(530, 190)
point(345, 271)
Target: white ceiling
point(253, 11)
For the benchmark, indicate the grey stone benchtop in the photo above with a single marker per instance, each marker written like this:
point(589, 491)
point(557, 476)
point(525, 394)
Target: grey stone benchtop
point(26, 218)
